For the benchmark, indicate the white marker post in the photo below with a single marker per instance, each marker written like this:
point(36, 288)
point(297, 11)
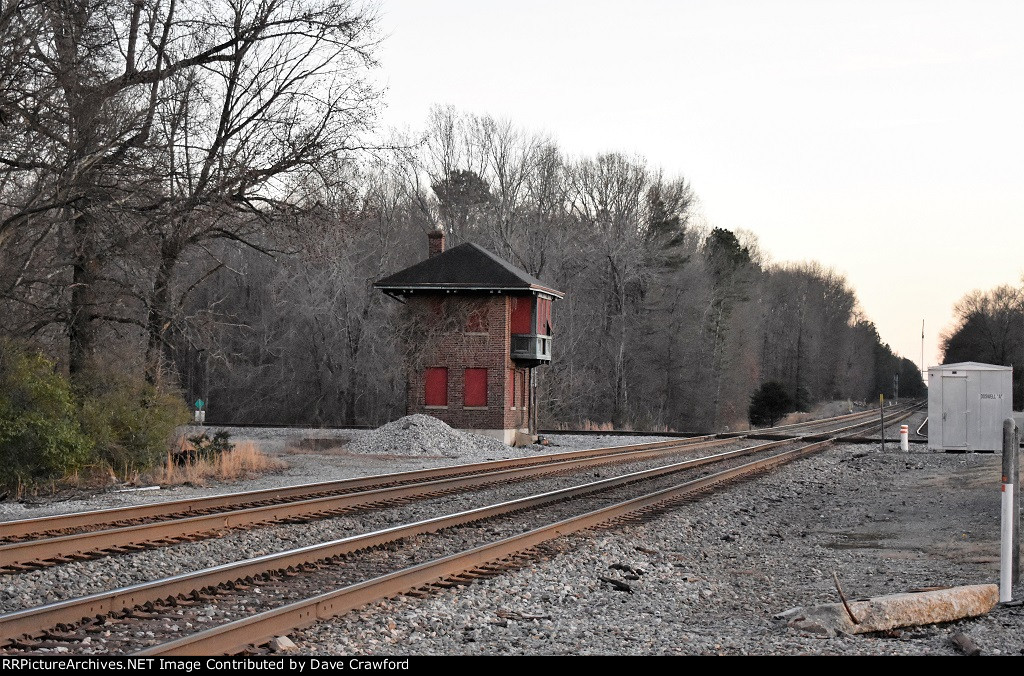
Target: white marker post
point(1007, 531)
point(905, 438)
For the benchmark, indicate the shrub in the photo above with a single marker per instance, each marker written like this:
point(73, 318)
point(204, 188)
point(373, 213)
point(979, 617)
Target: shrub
point(804, 400)
point(41, 438)
point(132, 422)
point(204, 448)
point(769, 404)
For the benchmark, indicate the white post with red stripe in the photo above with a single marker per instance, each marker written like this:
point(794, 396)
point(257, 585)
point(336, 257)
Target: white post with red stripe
point(1009, 557)
point(904, 438)
point(1006, 546)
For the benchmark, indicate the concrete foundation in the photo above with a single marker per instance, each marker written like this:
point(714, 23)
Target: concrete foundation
point(513, 437)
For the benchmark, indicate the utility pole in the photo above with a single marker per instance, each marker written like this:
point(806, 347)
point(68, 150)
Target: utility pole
point(924, 375)
point(881, 412)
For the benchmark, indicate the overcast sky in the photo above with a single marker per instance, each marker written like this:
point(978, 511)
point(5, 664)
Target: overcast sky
point(884, 139)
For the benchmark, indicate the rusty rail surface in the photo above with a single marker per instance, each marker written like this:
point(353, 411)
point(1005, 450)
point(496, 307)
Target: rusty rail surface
point(194, 506)
point(262, 627)
point(34, 553)
point(27, 528)
point(32, 621)
point(462, 567)
point(190, 519)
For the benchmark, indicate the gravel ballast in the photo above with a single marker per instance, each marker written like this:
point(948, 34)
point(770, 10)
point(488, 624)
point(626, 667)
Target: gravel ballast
point(85, 577)
point(79, 578)
point(704, 578)
point(329, 460)
point(714, 572)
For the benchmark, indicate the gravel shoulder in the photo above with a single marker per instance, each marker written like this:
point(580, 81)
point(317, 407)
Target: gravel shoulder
point(716, 571)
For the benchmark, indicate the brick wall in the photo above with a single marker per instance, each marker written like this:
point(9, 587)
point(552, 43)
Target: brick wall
point(460, 350)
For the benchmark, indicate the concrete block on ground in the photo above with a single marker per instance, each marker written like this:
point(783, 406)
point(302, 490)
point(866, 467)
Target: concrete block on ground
point(895, 610)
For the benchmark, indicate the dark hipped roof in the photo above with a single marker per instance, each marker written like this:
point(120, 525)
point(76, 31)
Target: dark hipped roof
point(465, 267)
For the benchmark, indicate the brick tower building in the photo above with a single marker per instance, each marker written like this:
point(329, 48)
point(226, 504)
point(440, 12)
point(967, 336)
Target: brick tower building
point(486, 325)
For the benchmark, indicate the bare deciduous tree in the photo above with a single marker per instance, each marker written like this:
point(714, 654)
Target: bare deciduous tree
point(191, 112)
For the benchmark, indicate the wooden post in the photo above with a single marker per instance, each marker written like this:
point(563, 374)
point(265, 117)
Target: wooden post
point(881, 410)
point(532, 402)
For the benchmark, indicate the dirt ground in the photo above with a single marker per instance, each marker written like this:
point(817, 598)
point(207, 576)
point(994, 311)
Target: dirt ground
point(947, 510)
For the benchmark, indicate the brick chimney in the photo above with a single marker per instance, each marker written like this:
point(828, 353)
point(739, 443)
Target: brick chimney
point(435, 241)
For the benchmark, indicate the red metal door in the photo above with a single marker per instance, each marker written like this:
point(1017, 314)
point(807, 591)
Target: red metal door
point(475, 392)
point(436, 389)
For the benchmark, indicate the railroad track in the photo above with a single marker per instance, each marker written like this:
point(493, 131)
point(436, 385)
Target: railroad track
point(37, 543)
point(66, 524)
point(356, 565)
point(33, 553)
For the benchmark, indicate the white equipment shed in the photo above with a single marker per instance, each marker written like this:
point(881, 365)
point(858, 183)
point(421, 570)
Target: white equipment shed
point(967, 404)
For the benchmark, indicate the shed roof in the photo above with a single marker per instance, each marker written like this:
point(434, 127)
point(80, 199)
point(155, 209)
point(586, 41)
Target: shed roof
point(467, 267)
point(969, 366)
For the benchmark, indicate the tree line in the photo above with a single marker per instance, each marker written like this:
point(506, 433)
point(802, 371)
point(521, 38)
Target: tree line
point(196, 197)
point(140, 142)
point(989, 328)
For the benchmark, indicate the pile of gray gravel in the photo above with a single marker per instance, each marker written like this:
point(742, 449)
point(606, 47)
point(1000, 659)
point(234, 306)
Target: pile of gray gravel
point(423, 435)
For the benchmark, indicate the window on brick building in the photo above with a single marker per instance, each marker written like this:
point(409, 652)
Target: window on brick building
point(436, 387)
point(475, 392)
point(544, 316)
point(522, 315)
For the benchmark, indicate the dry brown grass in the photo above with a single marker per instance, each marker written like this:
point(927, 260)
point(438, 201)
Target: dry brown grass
point(79, 482)
point(243, 461)
point(591, 426)
point(794, 418)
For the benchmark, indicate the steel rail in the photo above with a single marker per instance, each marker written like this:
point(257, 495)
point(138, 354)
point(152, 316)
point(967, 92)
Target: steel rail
point(26, 528)
point(258, 629)
point(751, 433)
point(22, 527)
point(900, 413)
point(69, 547)
point(262, 627)
point(845, 416)
point(47, 551)
point(32, 620)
